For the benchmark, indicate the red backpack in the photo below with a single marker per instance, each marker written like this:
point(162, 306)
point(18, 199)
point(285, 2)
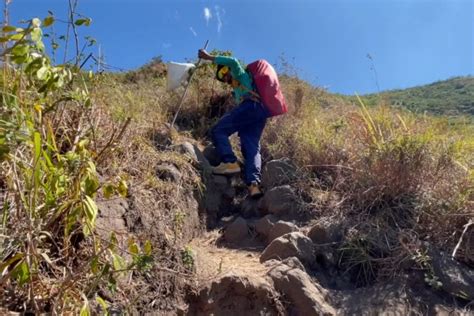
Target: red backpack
point(268, 87)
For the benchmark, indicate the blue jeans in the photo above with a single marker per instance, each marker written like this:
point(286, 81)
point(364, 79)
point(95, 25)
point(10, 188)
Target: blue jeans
point(248, 119)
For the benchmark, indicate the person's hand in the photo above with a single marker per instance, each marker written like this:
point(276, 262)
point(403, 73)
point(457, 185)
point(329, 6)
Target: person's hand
point(203, 54)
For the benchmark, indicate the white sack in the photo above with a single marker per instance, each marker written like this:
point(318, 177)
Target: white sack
point(178, 73)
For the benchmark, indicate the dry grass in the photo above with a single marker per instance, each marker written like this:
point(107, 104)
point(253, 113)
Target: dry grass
point(396, 174)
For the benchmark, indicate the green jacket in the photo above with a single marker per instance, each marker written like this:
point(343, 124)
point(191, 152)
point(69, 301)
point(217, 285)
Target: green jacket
point(238, 73)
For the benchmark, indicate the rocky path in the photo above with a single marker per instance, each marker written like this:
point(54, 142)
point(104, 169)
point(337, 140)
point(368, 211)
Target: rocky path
point(212, 262)
point(279, 256)
point(271, 257)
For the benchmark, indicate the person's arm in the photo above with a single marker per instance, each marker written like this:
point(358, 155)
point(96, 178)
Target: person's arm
point(230, 62)
point(203, 54)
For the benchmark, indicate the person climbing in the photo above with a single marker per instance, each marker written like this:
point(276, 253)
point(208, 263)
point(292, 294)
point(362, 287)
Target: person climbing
point(248, 119)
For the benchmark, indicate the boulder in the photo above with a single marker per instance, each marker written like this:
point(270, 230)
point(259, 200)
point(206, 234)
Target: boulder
point(237, 231)
point(325, 232)
point(264, 225)
point(455, 277)
point(220, 180)
point(168, 172)
point(280, 201)
point(211, 155)
point(236, 294)
point(249, 207)
point(217, 198)
point(281, 228)
point(193, 152)
point(293, 244)
point(306, 298)
point(278, 172)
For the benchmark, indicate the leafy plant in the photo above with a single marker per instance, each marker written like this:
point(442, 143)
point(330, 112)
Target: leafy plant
point(49, 180)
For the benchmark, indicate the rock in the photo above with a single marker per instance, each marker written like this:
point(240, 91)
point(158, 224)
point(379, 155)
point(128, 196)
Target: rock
point(211, 155)
point(111, 216)
point(295, 284)
point(456, 278)
point(281, 228)
point(237, 231)
point(385, 298)
point(249, 207)
point(280, 201)
point(168, 172)
point(325, 232)
point(264, 225)
point(290, 245)
point(220, 180)
point(278, 172)
point(229, 193)
point(217, 198)
point(292, 262)
point(193, 152)
point(236, 294)
point(325, 257)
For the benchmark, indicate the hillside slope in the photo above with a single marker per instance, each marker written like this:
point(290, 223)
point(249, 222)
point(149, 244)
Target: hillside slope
point(454, 96)
point(108, 209)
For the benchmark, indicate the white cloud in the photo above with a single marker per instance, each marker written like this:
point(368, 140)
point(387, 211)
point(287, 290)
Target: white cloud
point(166, 45)
point(219, 12)
point(193, 31)
point(207, 15)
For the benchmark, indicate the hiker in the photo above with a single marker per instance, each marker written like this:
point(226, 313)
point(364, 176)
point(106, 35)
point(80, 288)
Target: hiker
point(248, 119)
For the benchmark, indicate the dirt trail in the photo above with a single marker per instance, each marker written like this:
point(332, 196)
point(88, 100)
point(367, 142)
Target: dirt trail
point(213, 261)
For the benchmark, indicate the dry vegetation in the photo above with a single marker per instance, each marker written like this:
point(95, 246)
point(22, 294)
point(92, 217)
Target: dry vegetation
point(396, 179)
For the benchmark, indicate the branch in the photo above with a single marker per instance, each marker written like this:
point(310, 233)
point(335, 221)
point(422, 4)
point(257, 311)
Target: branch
point(460, 239)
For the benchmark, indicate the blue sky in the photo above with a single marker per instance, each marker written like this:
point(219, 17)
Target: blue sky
point(412, 42)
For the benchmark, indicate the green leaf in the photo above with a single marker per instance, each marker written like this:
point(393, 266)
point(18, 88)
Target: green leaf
point(37, 143)
point(85, 22)
point(42, 73)
point(8, 28)
point(95, 265)
point(91, 184)
point(9, 261)
point(88, 103)
point(91, 209)
point(147, 248)
point(122, 188)
point(20, 50)
point(22, 273)
point(16, 37)
point(40, 46)
point(36, 35)
point(113, 241)
point(34, 66)
point(48, 21)
point(133, 248)
point(85, 311)
point(102, 303)
point(117, 261)
point(108, 191)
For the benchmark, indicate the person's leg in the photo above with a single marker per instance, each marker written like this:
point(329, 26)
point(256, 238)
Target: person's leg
point(220, 137)
point(246, 114)
point(250, 144)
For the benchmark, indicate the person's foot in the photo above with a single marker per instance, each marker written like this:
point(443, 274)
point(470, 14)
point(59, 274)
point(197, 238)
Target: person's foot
point(226, 168)
point(254, 190)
